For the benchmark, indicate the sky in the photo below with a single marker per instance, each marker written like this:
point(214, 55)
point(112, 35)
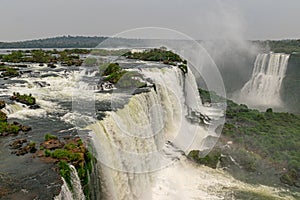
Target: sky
point(199, 19)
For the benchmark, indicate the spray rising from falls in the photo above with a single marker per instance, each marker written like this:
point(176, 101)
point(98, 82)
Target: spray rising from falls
point(263, 89)
point(152, 131)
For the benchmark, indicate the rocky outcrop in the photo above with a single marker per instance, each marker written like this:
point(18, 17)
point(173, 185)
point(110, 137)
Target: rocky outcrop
point(2, 104)
point(18, 143)
point(21, 149)
point(29, 148)
point(23, 128)
point(3, 117)
point(52, 144)
point(105, 86)
point(25, 99)
point(41, 83)
point(51, 65)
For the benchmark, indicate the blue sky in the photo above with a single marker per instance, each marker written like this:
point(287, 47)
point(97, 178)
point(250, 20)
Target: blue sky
point(200, 19)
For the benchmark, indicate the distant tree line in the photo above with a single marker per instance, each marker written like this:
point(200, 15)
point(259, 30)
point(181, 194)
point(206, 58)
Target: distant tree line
point(281, 46)
point(57, 42)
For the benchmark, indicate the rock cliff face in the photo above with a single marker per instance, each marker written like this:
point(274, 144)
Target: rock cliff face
point(290, 86)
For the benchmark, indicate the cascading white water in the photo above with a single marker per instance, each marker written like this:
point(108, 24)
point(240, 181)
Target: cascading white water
point(76, 193)
point(263, 89)
point(76, 185)
point(65, 193)
point(12, 108)
point(132, 142)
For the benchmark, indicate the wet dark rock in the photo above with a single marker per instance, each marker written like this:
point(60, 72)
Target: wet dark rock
point(105, 86)
point(35, 74)
point(30, 148)
point(41, 65)
point(3, 117)
point(34, 107)
point(41, 83)
point(22, 127)
point(51, 65)
point(52, 144)
point(197, 117)
point(141, 90)
point(2, 104)
point(18, 143)
point(25, 128)
point(21, 66)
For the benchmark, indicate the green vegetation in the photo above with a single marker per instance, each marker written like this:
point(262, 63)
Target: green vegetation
point(160, 55)
point(90, 61)
point(122, 78)
point(211, 160)
point(274, 136)
point(8, 71)
point(105, 52)
point(25, 99)
point(131, 79)
point(15, 57)
point(66, 57)
point(57, 42)
point(72, 152)
point(49, 136)
point(65, 172)
point(77, 51)
point(110, 68)
point(210, 97)
point(259, 138)
point(281, 46)
point(65, 154)
point(8, 129)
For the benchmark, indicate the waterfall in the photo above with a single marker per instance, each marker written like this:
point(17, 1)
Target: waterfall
point(263, 89)
point(148, 134)
point(76, 185)
point(76, 193)
point(12, 108)
point(65, 193)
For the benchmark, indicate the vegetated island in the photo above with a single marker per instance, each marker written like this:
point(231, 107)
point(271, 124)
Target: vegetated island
point(159, 55)
point(113, 75)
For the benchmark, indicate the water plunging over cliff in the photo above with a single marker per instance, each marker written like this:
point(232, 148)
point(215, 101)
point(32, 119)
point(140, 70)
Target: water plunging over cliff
point(76, 193)
point(150, 133)
point(263, 89)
